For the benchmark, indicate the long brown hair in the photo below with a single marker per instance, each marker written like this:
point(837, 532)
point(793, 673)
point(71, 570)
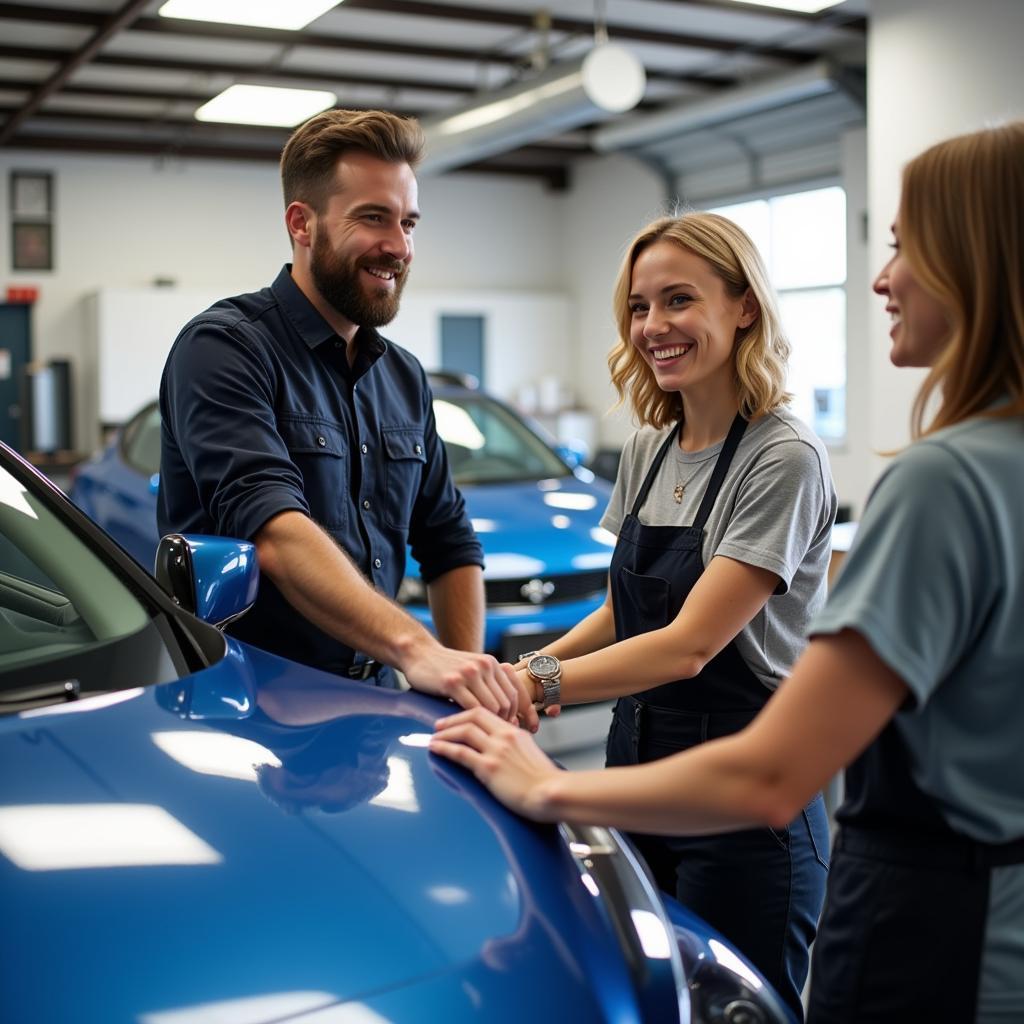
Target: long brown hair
point(761, 351)
point(961, 224)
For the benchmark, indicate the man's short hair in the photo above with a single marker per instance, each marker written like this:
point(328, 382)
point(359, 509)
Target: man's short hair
point(310, 156)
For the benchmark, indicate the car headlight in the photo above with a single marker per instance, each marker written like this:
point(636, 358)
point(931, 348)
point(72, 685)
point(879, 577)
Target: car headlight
point(724, 988)
point(412, 590)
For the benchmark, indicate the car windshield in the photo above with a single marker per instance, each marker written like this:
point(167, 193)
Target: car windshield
point(140, 441)
point(488, 443)
point(69, 624)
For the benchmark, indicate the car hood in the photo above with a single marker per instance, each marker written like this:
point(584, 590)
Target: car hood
point(271, 846)
point(540, 526)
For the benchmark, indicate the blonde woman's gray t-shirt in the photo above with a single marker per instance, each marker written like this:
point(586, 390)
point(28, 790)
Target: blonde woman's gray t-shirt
point(775, 511)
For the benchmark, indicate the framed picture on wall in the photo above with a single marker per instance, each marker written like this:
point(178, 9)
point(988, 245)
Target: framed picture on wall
point(31, 195)
point(31, 246)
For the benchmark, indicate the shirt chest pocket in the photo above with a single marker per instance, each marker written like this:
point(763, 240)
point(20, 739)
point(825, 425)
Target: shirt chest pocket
point(404, 459)
point(319, 450)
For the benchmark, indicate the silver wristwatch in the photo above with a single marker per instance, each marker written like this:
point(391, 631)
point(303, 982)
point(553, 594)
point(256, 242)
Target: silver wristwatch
point(547, 670)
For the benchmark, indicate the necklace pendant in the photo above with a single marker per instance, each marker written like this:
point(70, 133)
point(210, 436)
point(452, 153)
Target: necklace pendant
point(677, 493)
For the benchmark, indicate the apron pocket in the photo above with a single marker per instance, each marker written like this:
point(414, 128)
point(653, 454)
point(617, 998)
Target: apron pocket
point(642, 602)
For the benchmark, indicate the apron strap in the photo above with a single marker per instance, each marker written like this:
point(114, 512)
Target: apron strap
point(645, 487)
point(722, 464)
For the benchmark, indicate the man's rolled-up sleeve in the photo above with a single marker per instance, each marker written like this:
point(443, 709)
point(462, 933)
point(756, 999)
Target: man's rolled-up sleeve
point(441, 535)
point(217, 403)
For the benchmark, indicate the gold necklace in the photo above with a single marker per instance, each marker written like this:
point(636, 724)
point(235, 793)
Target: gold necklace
point(680, 488)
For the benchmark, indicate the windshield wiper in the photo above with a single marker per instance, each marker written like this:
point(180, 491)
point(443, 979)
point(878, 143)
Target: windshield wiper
point(23, 698)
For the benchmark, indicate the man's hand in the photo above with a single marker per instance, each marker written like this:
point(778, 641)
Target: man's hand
point(505, 759)
point(471, 680)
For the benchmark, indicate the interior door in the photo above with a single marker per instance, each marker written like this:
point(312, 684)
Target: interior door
point(15, 353)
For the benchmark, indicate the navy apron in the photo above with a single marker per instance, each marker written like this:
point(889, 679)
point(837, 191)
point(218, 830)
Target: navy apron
point(761, 888)
point(903, 929)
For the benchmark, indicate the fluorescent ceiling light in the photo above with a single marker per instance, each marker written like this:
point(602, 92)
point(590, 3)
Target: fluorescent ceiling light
point(53, 837)
point(803, 6)
point(263, 104)
point(295, 14)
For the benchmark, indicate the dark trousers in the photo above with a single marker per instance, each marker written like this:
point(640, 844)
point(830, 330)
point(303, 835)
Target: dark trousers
point(901, 935)
point(761, 888)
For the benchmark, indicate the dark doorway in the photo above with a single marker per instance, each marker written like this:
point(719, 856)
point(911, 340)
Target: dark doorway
point(15, 354)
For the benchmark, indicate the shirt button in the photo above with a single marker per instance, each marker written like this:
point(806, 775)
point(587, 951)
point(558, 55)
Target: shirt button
point(366, 505)
point(419, 449)
point(377, 563)
point(322, 441)
point(363, 448)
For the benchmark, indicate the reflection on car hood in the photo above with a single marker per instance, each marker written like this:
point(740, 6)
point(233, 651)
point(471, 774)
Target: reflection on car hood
point(212, 841)
point(551, 526)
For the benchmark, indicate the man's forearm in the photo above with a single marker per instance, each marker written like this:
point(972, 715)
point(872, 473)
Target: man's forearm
point(320, 581)
point(458, 608)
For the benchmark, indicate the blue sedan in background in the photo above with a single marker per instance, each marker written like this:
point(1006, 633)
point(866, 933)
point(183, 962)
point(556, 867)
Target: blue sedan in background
point(536, 510)
point(194, 830)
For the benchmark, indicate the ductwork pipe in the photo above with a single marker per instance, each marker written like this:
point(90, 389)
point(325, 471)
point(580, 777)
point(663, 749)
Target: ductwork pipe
point(608, 80)
point(744, 101)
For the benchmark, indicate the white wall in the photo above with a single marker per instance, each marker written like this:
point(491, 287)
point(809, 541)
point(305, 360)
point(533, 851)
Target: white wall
point(851, 461)
point(527, 334)
point(611, 199)
point(936, 68)
point(121, 222)
point(217, 226)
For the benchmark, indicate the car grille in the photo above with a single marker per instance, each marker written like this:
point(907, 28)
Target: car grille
point(546, 589)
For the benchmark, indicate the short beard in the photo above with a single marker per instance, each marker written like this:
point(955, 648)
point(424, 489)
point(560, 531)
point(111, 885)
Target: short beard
point(339, 282)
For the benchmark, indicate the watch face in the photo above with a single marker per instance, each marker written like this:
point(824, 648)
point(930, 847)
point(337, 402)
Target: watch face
point(543, 666)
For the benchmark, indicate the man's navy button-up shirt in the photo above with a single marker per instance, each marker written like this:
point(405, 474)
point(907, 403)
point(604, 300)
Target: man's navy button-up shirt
point(262, 413)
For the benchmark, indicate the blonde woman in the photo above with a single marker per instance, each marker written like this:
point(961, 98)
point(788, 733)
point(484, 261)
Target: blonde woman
point(723, 510)
point(913, 676)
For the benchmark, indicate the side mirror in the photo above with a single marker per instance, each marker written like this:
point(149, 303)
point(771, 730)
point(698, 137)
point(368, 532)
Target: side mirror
point(573, 453)
point(214, 578)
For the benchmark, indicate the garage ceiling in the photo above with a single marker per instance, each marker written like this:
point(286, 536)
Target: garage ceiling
point(103, 76)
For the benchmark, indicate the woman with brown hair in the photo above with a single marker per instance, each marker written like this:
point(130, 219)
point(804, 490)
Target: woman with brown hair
point(913, 674)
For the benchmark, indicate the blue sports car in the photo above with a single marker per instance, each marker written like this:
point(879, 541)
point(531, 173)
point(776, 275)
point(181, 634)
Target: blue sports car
point(193, 830)
point(536, 510)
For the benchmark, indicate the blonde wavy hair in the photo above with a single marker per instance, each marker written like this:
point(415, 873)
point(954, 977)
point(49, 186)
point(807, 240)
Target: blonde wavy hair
point(961, 229)
point(761, 350)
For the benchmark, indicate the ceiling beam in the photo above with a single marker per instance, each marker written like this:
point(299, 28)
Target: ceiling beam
point(554, 176)
point(573, 26)
point(830, 16)
point(142, 122)
point(110, 27)
point(262, 71)
point(242, 33)
point(317, 40)
point(52, 15)
point(419, 8)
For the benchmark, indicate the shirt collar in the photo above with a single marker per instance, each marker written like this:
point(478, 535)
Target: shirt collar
point(311, 326)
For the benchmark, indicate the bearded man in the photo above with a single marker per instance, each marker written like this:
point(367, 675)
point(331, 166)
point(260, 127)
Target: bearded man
point(288, 420)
